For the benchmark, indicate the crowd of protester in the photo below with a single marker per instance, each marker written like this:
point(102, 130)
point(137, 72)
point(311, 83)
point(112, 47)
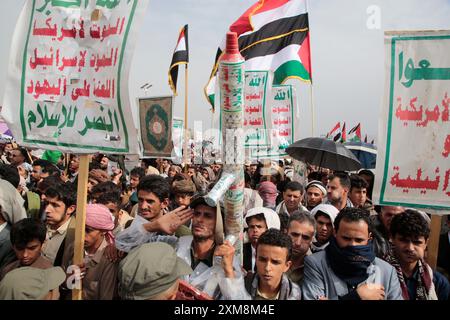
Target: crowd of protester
point(151, 234)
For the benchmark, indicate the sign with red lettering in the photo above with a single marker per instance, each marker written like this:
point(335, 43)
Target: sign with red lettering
point(413, 161)
point(67, 83)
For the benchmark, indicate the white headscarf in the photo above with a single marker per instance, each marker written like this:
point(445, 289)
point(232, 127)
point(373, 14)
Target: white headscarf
point(271, 217)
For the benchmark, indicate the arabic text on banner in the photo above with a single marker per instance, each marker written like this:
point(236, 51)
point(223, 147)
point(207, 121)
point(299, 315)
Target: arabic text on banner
point(413, 163)
point(282, 120)
point(254, 109)
point(68, 74)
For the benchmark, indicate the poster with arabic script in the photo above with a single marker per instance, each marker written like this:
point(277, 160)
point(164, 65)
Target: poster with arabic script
point(155, 116)
point(282, 118)
point(413, 161)
point(254, 108)
point(68, 75)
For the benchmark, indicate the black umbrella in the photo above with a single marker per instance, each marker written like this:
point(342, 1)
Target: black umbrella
point(324, 153)
point(366, 153)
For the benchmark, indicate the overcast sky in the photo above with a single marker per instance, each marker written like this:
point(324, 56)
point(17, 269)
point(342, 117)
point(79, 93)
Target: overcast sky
point(347, 55)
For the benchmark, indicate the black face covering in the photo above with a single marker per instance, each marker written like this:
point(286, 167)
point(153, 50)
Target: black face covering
point(350, 263)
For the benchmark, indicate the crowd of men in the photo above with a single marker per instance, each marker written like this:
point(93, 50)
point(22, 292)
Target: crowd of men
point(151, 234)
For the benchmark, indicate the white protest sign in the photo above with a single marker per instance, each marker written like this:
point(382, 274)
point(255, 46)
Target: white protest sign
point(413, 161)
point(281, 123)
point(255, 106)
point(177, 137)
point(68, 75)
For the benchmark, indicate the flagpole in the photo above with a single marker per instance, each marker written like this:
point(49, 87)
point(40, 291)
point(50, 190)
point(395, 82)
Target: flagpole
point(313, 116)
point(186, 149)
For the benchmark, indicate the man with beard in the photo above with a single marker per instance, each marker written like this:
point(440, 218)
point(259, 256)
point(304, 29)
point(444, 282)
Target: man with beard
point(273, 260)
point(348, 269)
point(104, 163)
point(338, 188)
point(60, 204)
point(409, 234)
point(197, 250)
point(39, 172)
point(324, 215)
point(258, 221)
point(301, 229)
point(315, 192)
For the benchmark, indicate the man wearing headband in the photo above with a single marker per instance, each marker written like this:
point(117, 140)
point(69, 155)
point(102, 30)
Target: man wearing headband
point(98, 273)
point(315, 193)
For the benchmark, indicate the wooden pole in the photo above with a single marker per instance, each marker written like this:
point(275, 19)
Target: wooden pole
point(80, 219)
point(186, 149)
point(433, 242)
point(313, 115)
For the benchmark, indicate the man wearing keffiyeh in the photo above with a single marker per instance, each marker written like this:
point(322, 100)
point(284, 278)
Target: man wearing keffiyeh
point(409, 235)
point(98, 273)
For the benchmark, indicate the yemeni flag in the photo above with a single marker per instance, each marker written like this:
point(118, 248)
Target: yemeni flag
point(273, 35)
point(334, 130)
point(180, 56)
point(355, 133)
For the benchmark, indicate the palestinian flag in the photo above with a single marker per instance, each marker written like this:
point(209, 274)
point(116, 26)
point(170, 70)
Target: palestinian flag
point(180, 56)
point(343, 134)
point(334, 130)
point(273, 35)
point(355, 133)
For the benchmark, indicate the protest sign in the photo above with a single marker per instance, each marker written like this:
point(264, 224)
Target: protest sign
point(413, 163)
point(68, 74)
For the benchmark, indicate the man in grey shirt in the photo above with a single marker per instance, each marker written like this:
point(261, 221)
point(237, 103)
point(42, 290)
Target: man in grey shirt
point(348, 269)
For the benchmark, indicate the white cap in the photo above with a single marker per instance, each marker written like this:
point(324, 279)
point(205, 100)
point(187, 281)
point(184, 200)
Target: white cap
point(317, 184)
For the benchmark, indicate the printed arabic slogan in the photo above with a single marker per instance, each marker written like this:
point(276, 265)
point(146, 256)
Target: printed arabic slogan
point(415, 163)
point(155, 116)
point(67, 86)
point(254, 108)
point(281, 126)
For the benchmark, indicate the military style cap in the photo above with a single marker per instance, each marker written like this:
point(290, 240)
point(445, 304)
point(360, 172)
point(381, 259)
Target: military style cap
point(150, 269)
point(28, 283)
